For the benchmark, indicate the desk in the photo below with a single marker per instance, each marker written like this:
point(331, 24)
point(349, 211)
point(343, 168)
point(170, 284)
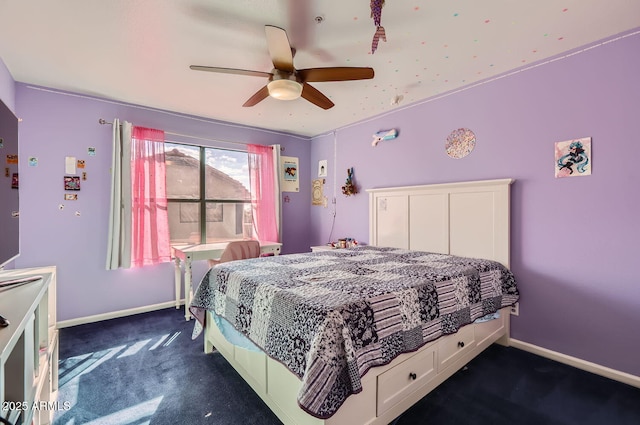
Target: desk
point(188, 253)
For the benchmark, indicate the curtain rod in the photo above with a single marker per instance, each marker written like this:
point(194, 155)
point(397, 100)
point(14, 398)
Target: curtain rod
point(103, 121)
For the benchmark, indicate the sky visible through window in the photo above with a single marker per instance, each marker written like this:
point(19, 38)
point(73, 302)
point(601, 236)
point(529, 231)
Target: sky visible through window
point(233, 163)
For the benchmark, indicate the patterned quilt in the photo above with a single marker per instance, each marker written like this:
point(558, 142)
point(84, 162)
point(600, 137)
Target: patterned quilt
point(330, 316)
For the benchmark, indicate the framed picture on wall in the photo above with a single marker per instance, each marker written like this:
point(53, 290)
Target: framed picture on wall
point(573, 158)
point(289, 174)
point(322, 168)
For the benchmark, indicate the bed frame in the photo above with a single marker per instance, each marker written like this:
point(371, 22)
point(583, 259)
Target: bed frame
point(469, 219)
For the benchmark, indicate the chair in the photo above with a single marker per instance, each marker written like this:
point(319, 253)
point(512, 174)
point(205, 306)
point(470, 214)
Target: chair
point(238, 250)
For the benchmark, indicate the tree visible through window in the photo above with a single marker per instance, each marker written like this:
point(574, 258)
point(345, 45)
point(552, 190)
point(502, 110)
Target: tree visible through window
point(210, 183)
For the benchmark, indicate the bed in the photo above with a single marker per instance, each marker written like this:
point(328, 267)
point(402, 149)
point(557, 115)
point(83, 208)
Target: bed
point(359, 335)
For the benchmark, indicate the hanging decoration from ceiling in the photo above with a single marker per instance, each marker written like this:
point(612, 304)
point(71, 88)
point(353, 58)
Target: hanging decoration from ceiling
point(376, 14)
point(460, 143)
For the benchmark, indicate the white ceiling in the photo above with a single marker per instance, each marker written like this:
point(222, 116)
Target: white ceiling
point(139, 51)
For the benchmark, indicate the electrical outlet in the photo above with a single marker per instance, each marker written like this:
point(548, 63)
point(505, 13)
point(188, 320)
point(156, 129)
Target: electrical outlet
point(515, 309)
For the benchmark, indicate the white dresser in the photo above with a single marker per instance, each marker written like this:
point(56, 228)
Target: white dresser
point(29, 347)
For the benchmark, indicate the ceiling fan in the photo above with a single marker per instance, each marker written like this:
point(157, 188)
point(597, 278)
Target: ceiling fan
point(286, 82)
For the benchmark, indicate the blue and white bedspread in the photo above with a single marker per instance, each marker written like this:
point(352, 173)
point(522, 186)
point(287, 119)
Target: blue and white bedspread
point(331, 316)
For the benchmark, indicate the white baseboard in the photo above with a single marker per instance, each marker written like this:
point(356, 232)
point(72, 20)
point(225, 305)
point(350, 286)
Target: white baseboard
point(616, 375)
point(116, 314)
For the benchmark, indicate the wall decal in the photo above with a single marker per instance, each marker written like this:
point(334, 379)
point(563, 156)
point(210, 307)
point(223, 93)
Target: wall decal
point(33, 161)
point(91, 151)
point(395, 100)
point(71, 183)
point(460, 143)
point(384, 135)
point(70, 164)
point(573, 157)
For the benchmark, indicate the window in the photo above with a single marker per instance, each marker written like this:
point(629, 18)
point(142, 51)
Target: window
point(211, 183)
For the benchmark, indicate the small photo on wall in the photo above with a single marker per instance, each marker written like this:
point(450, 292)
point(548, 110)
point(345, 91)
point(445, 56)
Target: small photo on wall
point(573, 158)
point(71, 183)
point(322, 168)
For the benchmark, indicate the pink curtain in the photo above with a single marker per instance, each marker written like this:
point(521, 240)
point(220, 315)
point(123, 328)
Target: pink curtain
point(150, 223)
point(263, 192)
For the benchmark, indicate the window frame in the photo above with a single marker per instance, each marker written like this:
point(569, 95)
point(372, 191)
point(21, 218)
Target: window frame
point(202, 199)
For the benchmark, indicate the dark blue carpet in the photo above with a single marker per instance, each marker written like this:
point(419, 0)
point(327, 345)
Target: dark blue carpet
point(145, 369)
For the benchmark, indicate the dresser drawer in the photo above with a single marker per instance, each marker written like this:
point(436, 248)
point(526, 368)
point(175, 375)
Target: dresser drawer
point(403, 379)
point(452, 347)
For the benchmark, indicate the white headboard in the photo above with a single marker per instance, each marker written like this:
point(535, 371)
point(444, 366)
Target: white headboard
point(469, 219)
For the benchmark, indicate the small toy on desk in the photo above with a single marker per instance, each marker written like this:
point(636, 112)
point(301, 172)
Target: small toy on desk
point(344, 243)
point(384, 135)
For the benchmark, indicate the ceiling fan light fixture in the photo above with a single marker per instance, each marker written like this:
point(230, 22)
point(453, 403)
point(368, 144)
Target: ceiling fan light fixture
point(284, 89)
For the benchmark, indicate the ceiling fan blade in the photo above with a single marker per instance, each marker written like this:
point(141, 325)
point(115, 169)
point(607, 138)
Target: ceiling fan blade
point(335, 74)
point(259, 96)
point(314, 96)
point(231, 71)
point(279, 48)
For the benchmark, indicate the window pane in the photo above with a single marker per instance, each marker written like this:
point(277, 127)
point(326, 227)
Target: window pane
point(183, 171)
point(226, 175)
point(184, 222)
point(228, 221)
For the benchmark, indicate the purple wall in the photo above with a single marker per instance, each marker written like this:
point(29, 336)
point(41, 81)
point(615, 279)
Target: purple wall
point(574, 240)
point(56, 125)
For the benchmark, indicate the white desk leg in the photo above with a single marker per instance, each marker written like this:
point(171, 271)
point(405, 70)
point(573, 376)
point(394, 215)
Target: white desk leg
point(187, 288)
point(178, 279)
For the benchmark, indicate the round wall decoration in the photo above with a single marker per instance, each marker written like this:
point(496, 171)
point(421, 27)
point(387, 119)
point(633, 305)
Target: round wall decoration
point(460, 143)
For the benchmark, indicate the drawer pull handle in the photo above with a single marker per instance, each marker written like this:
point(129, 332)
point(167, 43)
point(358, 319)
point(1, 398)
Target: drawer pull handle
point(460, 344)
point(413, 376)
